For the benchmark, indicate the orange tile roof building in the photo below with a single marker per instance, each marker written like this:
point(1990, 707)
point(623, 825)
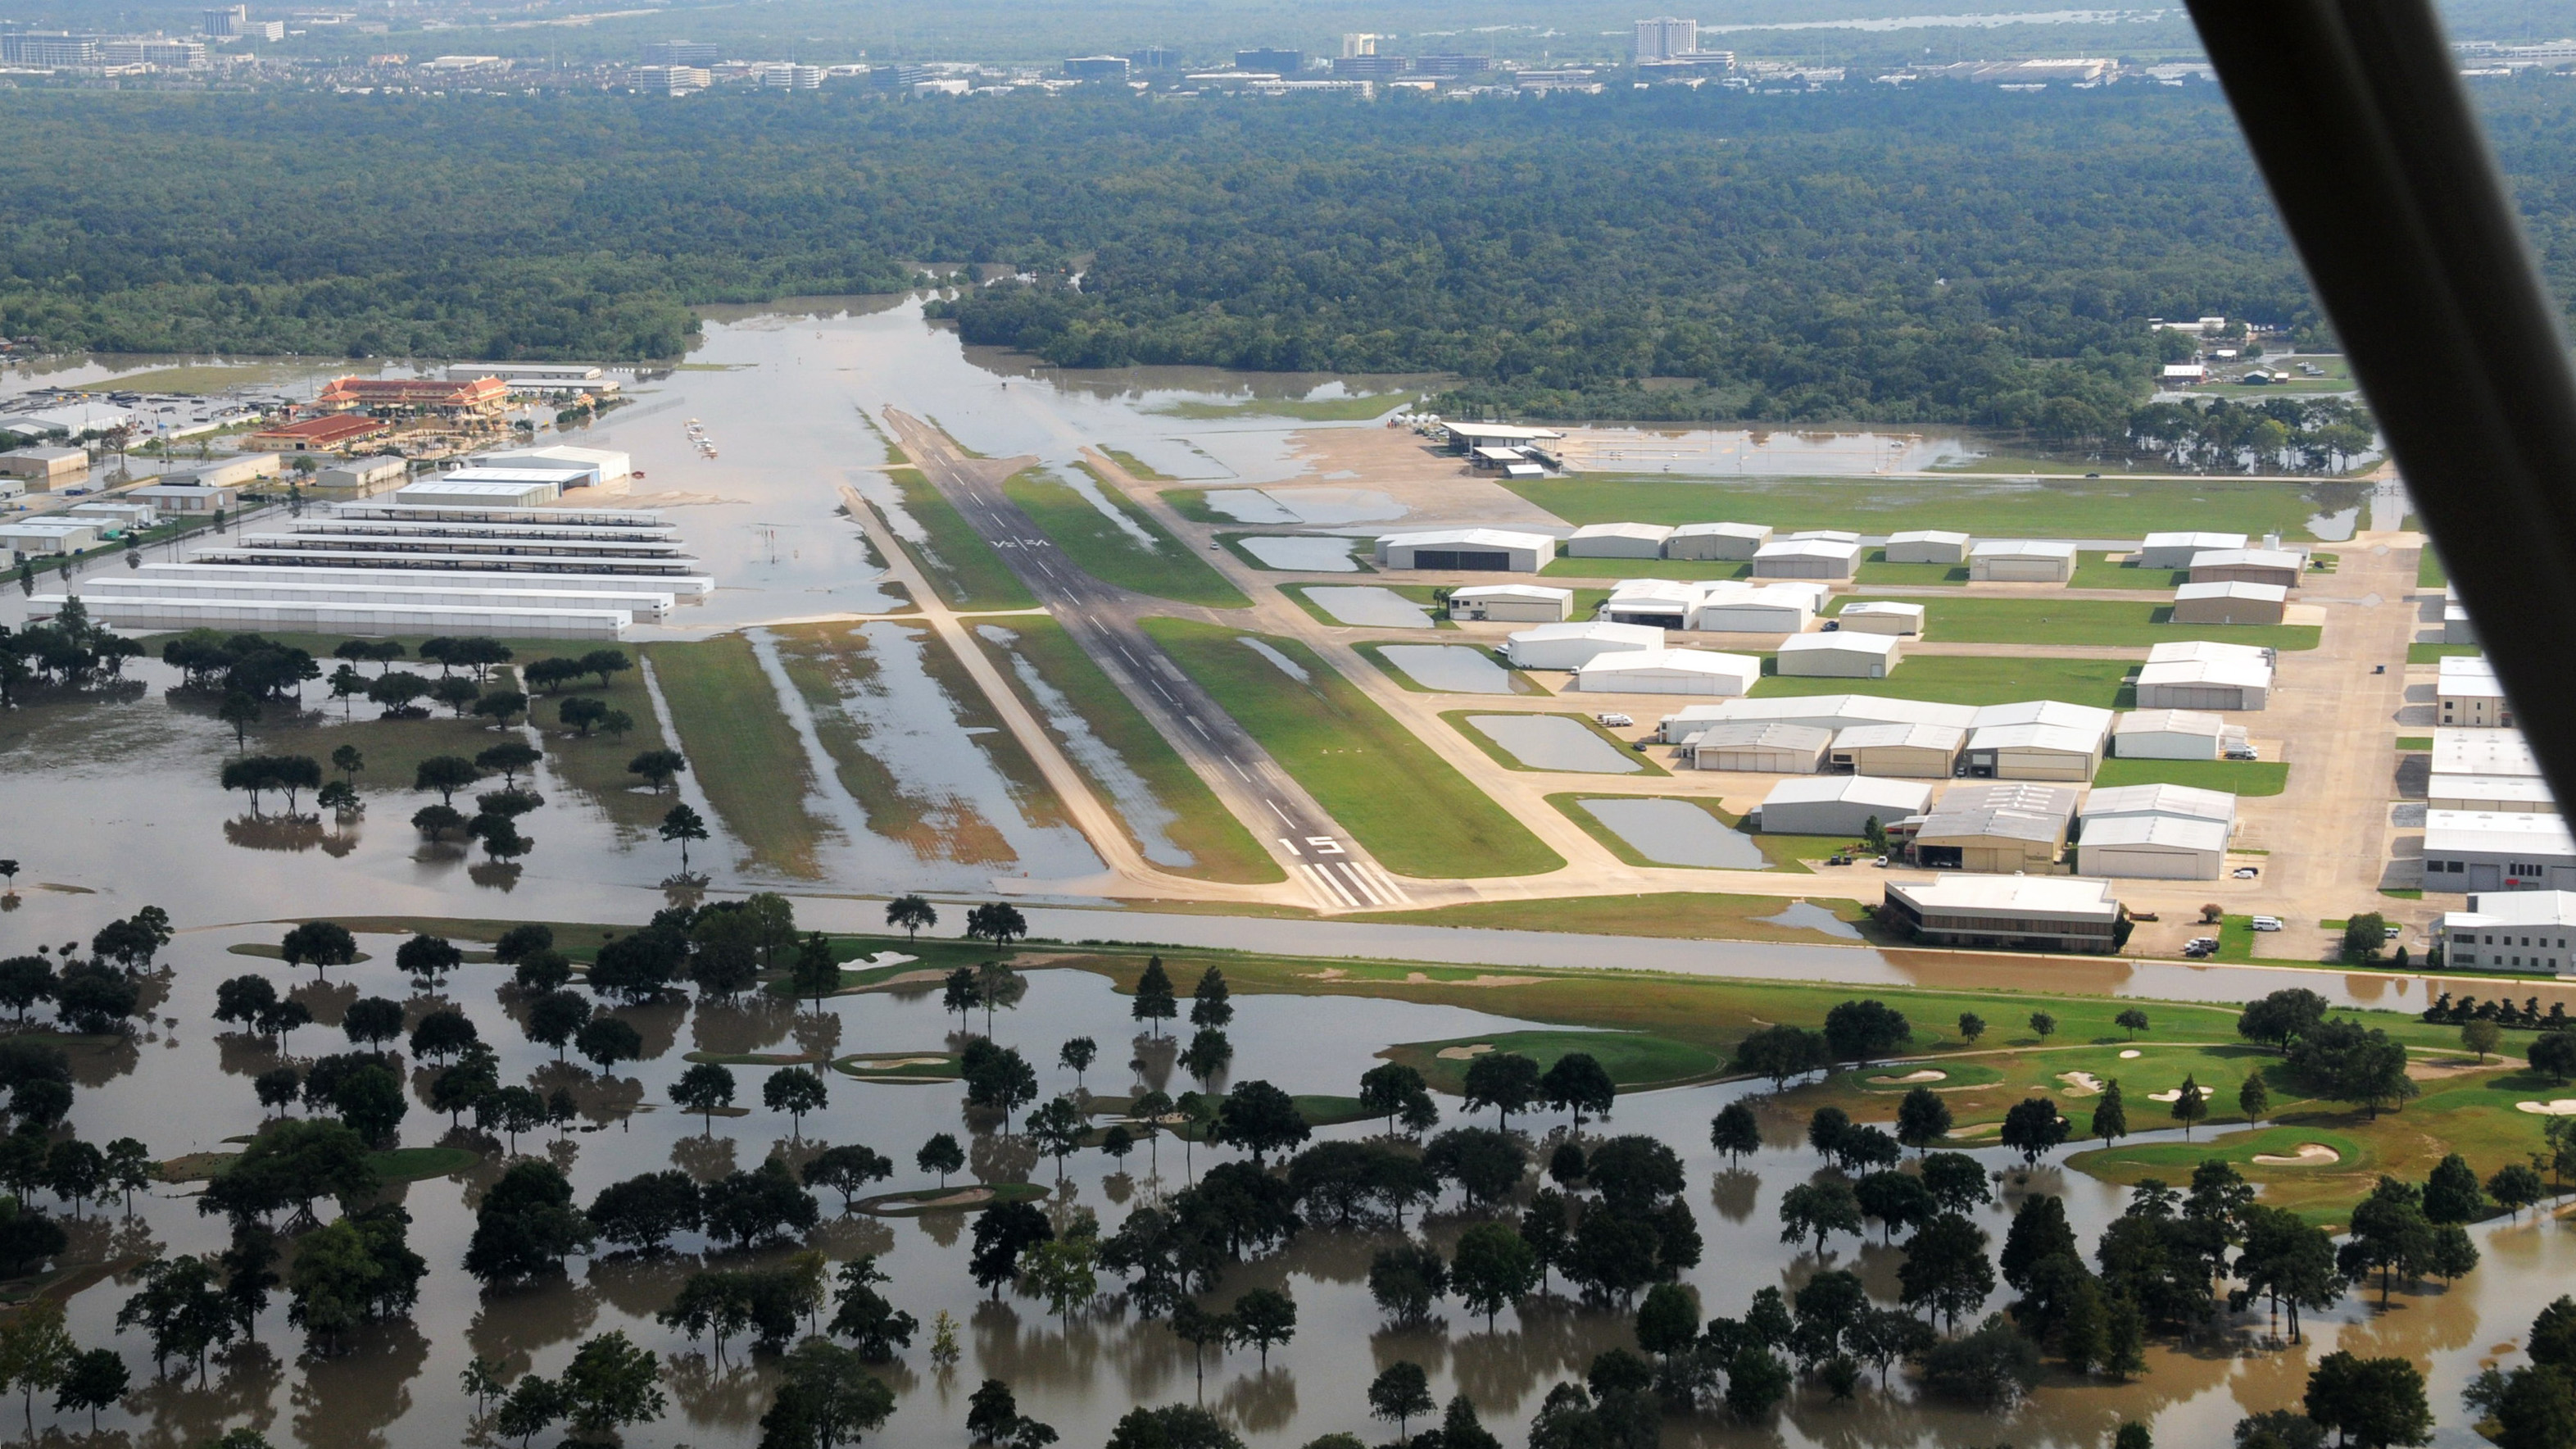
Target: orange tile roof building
point(483, 397)
point(317, 435)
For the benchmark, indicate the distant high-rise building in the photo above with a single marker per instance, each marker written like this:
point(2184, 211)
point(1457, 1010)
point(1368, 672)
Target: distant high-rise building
point(1111, 68)
point(1154, 57)
point(1665, 37)
point(681, 53)
point(780, 75)
point(1358, 42)
point(154, 50)
point(1372, 67)
point(226, 22)
point(268, 30)
point(1266, 58)
point(1452, 64)
point(49, 51)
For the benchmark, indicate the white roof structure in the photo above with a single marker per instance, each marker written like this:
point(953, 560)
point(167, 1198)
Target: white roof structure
point(2482, 752)
point(1755, 734)
point(2065, 739)
point(1823, 535)
point(2178, 651)
point(2257, 558)
point(1831, 711)
point(2497, 832)
point(2194, 542)
point(54, 528)
point(1759, 533)
point(1886, 648)
point(1669, 671)
point(2489, 792)
point(2490, 910)
point(1498, 433)
point(2039, 896)
point(2046, 712)
point(1644, 540)
point(455, 488)
point(1783, 607)
point(1928, 535)
point(1894, 799)
point(1901, 737)
point(2011, 810)
point(608, 464)
point(1524, 593)
point(1843, 549)
point(2468, 675)
point(2169, 722)
point(2022, 548)
point(1866, 614)
point(2114, 833)
point(2181, 802)
point(2233, 589)
point(1573, 645)
point(2240, 673)
point(1661, 595)
point(1469, 538)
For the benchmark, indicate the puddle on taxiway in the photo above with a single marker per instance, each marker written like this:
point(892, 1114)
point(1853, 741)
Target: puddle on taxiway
point(1372, 607)
point(1305, 553)
point(1448, 668)
point(1554, 742)
point(1679, 832)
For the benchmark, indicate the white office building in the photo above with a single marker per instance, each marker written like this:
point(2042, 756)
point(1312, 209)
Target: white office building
point(2152, 847)
point(2481, 850)
point(2458, 751)
point(2469, 696)
point(1733, 608)
point(1807, 558)
point(2531, 931)
point(1757, 749)
point(2490, 793)
point(2171, 734)
point(2176, 550)
point(2205, 684)
point(1466, 550)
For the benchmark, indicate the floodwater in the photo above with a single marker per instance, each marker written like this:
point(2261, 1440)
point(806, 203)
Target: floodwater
point(186, 1089)
point(1304, 553)
point(1814, 917)
point(1374, 608)
point(1449, 668)
point(1554, 742)
point(1729, 451)
point(1316, 507)
point(1134, 800)
point(1679, 832)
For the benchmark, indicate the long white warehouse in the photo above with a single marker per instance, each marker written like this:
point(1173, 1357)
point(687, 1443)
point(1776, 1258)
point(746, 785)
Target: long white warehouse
point(1467, 550)
point(149, 612)
point(1669, 671)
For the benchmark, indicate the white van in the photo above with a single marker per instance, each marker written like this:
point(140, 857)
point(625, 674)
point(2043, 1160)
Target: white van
point(2267, 923)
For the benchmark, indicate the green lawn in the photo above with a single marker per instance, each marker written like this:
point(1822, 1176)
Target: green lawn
point(1633, 1059)
point(2429, 573)
point(1407, 806)
point(1947, 679)
point(2082, 621)
point(954, 557)
point(1220, 847)
point(1359, 408)
point(1875, 569)
point(2431, 653)
point(2055, 508)
point(2096, 571)
point(1100, 547)
point(1669, 915)
point(2414, 742)
point(2237, 777)
point(1137, 468)
point(1648, 568)
point(744, 753)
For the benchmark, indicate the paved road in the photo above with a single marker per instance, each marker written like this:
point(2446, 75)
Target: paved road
point(1316, 851)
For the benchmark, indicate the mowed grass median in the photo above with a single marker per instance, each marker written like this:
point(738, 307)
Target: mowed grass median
point(1411, 809)
point(1988, 508)
point(2085, 621)
point(744, 753)
point(1968, 679)
point(1105, 549)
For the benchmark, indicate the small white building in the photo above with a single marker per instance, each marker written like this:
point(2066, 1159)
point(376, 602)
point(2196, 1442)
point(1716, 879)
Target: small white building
point(1467, 550)
point(606, 465)
point(1512, 604)
point(1770, 609)
point(1657, 603)
point(492, 492)
point(1617, 540)
point(2483, 850)
point(1823, 535)
point(2249, 566)
point(1716, 540)
point(2013, 912)
point(1669, 671)
point(1907, 751)
point(1807, 558)
point(114, 513)
point(2176, 550)
point(1840, 804)
point(1757, 749)
point(2230, 603)
point(2531, 931)
point(2169, 734)
point(2492, 793)
point(2482, 752)
point(2152, 847)
point(1882, 616)
point(184, 497)
point(2021, 561)
point(46, 537)
point(46, 466)
point(364, 476)
point(2204, 684)
point(2180, 651)
point(1841, 655)
point(2469, 696)
point(1573, 645)
point(2033, 752)
point(1928, 546)
point(2178, 802)
point(229, 472)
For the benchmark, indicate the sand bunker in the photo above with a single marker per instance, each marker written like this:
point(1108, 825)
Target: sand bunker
point(2172, 1096)
point(2083, 1082)
point(1417, 978)
point(962, 1198)
point(2310, 1154)
point(1464, 1053)
point(887, 1064)
point(2131, 1054)
point(1926, 1075)
point(2563, 1107)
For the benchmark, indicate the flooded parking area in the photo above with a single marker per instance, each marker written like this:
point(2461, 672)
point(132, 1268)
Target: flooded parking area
point(1449, 668)
point(1679, 832)
point(1554, 742)
point(1371, 607)
point(1313, 507)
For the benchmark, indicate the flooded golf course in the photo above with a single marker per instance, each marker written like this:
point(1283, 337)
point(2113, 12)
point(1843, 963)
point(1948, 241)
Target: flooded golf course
point(907, 784)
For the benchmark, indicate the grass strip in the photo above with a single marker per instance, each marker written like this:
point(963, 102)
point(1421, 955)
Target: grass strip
point(2435, 653)
point(2001, 508)
point(1634, 1059)
point(2236, 777)
point(2429, 573)
point(1966, 679)
point(1665, 915)
point(745, 754)
point(1648, 568)
point(1358, 409)
point(2097, 571)
point(1137, 468)
point(2085, 621)
point(1220, 847)
point(1100, 547)
point(1411, 809)
point(953, 557)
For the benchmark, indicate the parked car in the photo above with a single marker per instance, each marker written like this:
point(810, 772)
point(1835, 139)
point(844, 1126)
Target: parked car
point(2241, 752)
point(2245, 872)
point(2391, 933)
point(1614, 721)
point(2267, 923)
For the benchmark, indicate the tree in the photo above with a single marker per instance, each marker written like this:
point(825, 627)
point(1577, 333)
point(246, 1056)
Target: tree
point(1388, 1089)
point(1735, 1132)
point(241, 712)
point(1207, 1056)
point(2364, 936)
point(324, 944)
point(1209, 1005)
point(554, 1017)
point(846, 1170)
point(2253, 1098)
point(703, 1088)
point(1971, 1027)
point(1401, 1394)
point(611, 1384)
point(2111, 1114)
point(605, 1041)
point(998, 922)
point(1077, 1056)
point(1154, 1001)
point(1264, 1318)
point(912, 914)
point(2389, 1233)
point(1922, 1118)
point(1818, 1209)
point(658, 767)
point(2043, 1024)
point(1899, 1202)
point(2515, 1187)
point(1058, 1129)
point(1577, 1083)
point(1493, 1268)
point(2370, 1402)
point(941, 1155)
point(1780, 1053)
point(1407, 1279)
point(1201, 1330)
point(1002, 1234)
point(511, 1109)
point(1173, 1426)
point(92, 1379)
point(525, 1225)
point(2132, 1021)
point(863, 1315)
point(1861, 1031)
point(371, 1021)
point(794, 1091)
point(645, 1210)
point(2451, 1193)
point(683, 825)
point(2553, 1055)
point(751, 1207)
point(356, 1271)
point(996, 984)
point(816, 973)
point(2191, 1106)
point(446, 774)
point(1946, 1270)
point(1505, 1081)
point(2282, 1017)
point(2032, 1127)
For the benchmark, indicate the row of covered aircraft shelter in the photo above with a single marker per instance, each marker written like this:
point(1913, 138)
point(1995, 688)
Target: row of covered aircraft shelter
point(2153, 832)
